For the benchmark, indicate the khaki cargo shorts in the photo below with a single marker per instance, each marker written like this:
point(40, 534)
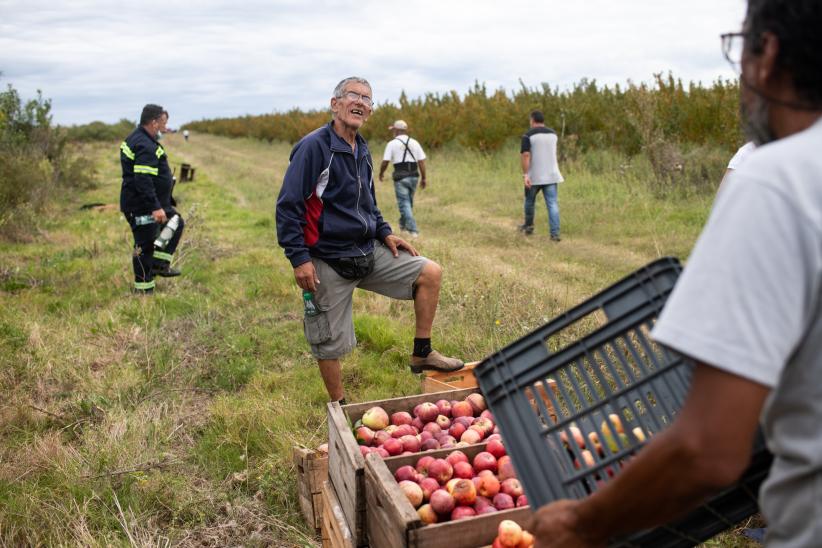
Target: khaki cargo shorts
point(331, 333)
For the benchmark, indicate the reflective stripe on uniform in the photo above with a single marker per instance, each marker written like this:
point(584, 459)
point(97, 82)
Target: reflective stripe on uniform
point(145, 169)
point(159, 152)
point(145, 285)
point(127, 151)
point(163, 256)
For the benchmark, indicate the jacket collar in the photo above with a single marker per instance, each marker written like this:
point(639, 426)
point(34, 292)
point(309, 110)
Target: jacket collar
point(147, 134)
point(339, 145)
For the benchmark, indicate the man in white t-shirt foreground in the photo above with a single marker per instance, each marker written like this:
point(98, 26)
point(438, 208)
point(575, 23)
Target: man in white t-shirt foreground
point(748, 310)
point(409, 169)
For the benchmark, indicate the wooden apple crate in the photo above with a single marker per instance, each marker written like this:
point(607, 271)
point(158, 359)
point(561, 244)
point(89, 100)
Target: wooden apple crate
point(312, 472)
point(393, 522)
point(346, 465)
point(335, 531)
point(437, 381)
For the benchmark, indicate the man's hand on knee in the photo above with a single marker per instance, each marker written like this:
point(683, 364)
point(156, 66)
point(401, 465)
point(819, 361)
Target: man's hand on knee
point(395, 243)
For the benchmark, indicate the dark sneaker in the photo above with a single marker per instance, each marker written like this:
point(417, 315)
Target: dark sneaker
point(436, 362)
point(556, 238)
point(166, 271)
point(526, 229)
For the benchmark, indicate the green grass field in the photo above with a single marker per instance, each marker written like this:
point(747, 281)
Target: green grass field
point(169, 420)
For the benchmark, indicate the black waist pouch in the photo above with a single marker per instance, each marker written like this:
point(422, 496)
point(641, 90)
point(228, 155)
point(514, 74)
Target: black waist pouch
point(405, 169)
point(352, 268)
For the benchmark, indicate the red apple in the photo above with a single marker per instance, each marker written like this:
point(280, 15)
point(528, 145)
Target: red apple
point(522, 500)
point(375, 418)
point(487, 426)
point(441, 470)
point(426, 436)
point(442, 502)
point(463, 470)
point(485, 461)
point(410, 443)
point(429, 445)
point(503, 501)
point(422, 464)
point(427, 514)
point(444, 407)
point(364, 450)
point(380, 436)
point(432, 427)
point(426, 412)
point(463, 491)
point(428, 485)
point(461, 512)
point(527, 540)
point(413, 492)
point(496, 448)
point(457, 429)
point(456, 456)
point(488, 484)
point(477, 402)
point(505, 468)
point(364, 435)
point(462, 409)
point(443, 422)
point(393, 446)
point(406, 472)
point(509, 533)
point(512, 487)
point(465, 420)
point(490, 509)
point(488, 415)
point(401, 417)
point(417, 423)
point(471, 436)
point(382, 452)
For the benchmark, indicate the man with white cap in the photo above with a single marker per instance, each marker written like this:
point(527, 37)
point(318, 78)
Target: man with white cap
point(409, 169)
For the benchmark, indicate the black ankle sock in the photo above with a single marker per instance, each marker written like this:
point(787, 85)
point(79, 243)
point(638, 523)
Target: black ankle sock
point(422, 347)
point(341, 401)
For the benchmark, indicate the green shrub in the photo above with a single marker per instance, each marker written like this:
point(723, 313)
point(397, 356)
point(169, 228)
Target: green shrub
point(99, 131)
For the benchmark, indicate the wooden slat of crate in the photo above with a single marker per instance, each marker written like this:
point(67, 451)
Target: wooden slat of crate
point(335, 531)
point(312, 472)
point(392, 521)
point(434, 381)
point(345, 462)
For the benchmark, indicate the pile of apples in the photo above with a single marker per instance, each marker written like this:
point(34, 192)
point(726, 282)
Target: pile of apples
point(457, 487)
point(511, 535)
point(430, 425)
point(591, 443)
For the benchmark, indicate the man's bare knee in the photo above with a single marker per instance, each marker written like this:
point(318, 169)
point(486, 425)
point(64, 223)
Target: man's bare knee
point(431, 274)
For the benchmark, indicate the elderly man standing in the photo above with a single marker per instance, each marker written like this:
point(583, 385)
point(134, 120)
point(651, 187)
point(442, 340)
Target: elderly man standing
point(336, 239)
point(747, 309)
point(409, 169)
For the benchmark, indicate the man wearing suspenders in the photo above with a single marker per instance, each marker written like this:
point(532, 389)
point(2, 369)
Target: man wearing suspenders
point(409, 169)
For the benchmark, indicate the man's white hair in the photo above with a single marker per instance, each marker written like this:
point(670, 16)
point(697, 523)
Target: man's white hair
point(340, 89)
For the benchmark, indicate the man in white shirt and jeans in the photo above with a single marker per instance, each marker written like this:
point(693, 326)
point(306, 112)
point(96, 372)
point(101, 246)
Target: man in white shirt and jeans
point(409, 169)
point(540, 172)
point(748, 310)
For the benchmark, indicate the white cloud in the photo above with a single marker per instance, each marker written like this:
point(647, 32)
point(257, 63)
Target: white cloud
point(104, 60)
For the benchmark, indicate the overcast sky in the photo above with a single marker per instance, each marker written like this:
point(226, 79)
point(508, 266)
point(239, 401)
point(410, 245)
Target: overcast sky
point(101, 60)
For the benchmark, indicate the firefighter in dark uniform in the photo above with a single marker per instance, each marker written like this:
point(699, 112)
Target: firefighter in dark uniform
point(145, 198)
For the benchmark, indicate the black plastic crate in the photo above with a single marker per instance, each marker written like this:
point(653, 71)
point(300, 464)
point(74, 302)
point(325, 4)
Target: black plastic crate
point(615, 369)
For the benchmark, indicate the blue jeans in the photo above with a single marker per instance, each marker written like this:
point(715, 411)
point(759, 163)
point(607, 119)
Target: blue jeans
point(405, 189)
point(549, 192)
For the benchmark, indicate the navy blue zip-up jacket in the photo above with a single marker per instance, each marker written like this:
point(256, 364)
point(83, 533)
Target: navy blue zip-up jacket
point(147, 179)
point(327, 206)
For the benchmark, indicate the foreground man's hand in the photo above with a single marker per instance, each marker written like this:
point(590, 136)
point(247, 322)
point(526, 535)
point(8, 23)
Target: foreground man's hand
point(395, 243)
point(557, 525)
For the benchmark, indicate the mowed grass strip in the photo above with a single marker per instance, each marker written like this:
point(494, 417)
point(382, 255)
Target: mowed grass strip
point(170, 420)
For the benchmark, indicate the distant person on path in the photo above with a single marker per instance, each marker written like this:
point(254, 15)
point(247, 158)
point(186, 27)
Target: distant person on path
point(540, 171)
point(145, 198)
point(185, 134)
point(748, 310)
point(336, 239)
point(409, 168)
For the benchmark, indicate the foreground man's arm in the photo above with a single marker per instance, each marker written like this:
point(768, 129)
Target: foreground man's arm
point(707, 448)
